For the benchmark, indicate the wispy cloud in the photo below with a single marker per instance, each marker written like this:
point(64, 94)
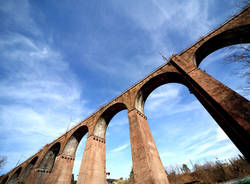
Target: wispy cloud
point(226, 151)
point(168, 100)
point(120, 148)
point(221, 135)
point(154, 20)
point(189, 143)
point(39, 92)
point(166, 154)
point(18, 13)
point(157, 16)
point(161, 24)
point(206, 141)
point(213, 143)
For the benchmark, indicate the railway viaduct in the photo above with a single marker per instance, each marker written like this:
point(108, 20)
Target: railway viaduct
point(53, 164)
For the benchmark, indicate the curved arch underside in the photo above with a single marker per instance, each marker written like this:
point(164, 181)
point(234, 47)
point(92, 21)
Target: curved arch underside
point(107, 115)
point(14, 177)
point(28, 169)
point(4, 180)
point(48, 160)
point(112, 111)
point(74, 140)
point(227, 38)
point(152, 84)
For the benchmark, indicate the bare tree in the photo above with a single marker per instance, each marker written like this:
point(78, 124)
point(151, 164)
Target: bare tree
point(3, 160)
point(185, 168)
point(241, 54)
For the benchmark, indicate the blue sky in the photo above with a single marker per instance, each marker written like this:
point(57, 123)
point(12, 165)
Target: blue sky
point(61, 61)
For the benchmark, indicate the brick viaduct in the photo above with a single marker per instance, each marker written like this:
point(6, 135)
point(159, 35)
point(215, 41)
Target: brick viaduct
point(54, 162)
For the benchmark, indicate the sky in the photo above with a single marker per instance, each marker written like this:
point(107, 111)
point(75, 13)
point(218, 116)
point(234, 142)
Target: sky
point(61, 60)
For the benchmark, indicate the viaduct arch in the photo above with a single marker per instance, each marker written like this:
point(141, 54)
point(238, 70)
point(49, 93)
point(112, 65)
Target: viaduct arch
point(54, 162)
point(14, 177)
point(28, 169)
point(238, 35)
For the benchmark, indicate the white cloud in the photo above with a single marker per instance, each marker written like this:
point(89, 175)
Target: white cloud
point(154, 18)
point(158, 15)
point(120, 148)
point(209, 145)
point(168, 100)
point(202, 143)
point(189, 143)
point(36, 84)
point(229, 149)
point(221, 135)
point(167, 94)
point(204, 147)
point(18, 13)
point(40, 95)
point(166, 154)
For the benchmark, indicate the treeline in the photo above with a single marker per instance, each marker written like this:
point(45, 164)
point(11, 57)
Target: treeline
point(209, 172)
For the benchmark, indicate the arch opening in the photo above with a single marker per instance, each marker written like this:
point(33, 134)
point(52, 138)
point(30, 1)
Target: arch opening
point(239, 35)
point(118, 146)
point(48, 160)
point(28, 169)
point(74, 140)
point(75, 148)
point(230, 65)
point(183, 130)
point(4, 180)
point(115, 141)
point(15, 176)
point(107, 115)
point(152, 84)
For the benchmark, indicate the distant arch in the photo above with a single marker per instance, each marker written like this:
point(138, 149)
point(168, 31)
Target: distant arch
point(74, 140)
point(104, 119)
point(4, 180)
point(15, 176)
point(48, 160)
point(152, 84)
point(233, 36)
point(28, 169)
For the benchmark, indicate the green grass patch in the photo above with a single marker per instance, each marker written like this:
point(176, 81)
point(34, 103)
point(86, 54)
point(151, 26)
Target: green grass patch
point(244, 182)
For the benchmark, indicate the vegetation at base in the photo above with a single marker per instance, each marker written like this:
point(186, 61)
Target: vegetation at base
point(130, 180)
point(209, 172)
point(243, 182)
